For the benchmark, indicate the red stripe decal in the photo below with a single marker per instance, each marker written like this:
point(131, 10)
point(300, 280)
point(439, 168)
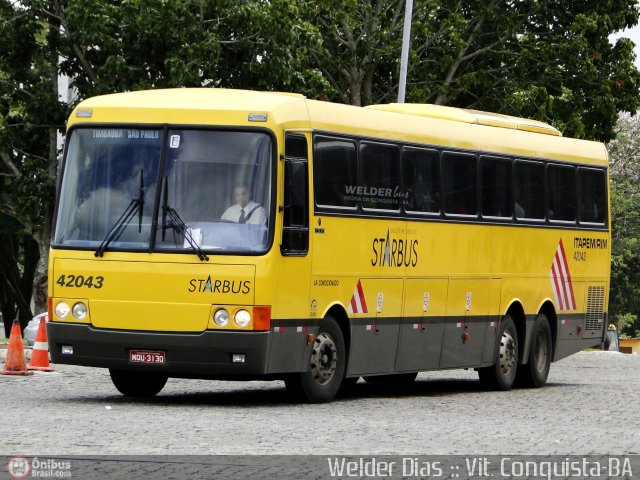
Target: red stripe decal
point(362, 300)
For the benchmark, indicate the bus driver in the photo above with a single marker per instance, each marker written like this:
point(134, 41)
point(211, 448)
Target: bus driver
point(244, 210)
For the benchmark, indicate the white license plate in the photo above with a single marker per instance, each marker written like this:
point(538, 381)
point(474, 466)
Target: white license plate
point(147, 356)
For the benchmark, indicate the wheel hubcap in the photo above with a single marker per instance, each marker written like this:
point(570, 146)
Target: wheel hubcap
point(507, 353)
point(324, 359)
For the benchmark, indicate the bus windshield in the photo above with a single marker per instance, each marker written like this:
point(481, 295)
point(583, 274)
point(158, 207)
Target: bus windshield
point(211, 190)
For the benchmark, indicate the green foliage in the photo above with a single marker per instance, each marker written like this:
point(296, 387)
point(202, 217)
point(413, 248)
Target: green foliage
point(28, 111)
point(548, 60)
point(627, 324)
point(136, 44)
point(624, 298)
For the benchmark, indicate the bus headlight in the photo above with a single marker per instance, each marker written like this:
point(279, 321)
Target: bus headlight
point(62, 310)
point(242, 318)
point(221, 317)
point(79, 311)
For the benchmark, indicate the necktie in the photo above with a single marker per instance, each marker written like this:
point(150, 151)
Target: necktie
point(241, 219)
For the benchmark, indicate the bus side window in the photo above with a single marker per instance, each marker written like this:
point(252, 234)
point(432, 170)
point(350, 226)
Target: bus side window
point(295, 231)
point(421, 180)
point(529, 190)
point(561, 188)
point(593, 195)
point(380, 172)
point(335, 175)
point(459, 185)
point(497, 182)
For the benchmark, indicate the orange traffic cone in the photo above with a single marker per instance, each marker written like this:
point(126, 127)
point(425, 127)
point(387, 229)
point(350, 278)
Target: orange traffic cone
point(40, 354)
point(15, 363)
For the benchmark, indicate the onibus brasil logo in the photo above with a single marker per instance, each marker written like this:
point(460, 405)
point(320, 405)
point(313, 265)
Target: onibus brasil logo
point(21, 467)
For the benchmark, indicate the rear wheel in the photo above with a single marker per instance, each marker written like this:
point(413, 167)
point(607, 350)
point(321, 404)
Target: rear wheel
point(137, 384)
point(502, 374)
point(326, 366)
point(534, 373)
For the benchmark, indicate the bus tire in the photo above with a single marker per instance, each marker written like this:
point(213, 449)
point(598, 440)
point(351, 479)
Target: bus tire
point(137, 384)
point(327, 364)
point(534, 373)
point(394, 379)
point(502, 374)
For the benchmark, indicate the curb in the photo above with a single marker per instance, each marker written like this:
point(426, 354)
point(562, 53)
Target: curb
point(4, 349)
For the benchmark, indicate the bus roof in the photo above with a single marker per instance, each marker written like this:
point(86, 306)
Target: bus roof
point(469, 116)
point(414, 123)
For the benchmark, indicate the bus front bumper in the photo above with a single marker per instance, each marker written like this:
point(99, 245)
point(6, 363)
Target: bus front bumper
point(204, 354)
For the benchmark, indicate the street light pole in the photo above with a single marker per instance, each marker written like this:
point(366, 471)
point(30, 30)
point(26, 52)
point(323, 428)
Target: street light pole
point(404, 58)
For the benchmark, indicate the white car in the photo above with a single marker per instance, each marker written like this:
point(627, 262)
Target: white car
point(31, 330)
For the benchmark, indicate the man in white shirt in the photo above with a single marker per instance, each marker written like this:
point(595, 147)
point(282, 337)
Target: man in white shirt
point(245, 210)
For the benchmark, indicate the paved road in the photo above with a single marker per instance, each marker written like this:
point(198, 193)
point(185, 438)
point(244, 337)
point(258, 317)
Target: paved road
point(589, 406)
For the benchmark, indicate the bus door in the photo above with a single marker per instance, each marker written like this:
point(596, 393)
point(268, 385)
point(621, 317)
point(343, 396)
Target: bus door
point(290, 307)
point(465, 327)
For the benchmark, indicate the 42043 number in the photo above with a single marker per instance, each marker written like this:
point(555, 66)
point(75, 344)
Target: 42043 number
point(78, 281)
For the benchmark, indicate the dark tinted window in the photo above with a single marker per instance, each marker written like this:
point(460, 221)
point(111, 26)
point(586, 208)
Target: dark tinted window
point(295, 146)
point(421, 170)
point(295, 184)
point(335, 172)
point(496, 187)
point(380, 167)
point(561, 186)
point(593, 195)
point(529, 190)
point(459, 184)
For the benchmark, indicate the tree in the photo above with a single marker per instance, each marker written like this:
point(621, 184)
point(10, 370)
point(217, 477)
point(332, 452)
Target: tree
point(30, 118)
point(18, 259)
point(624, 298)
point(548, 60)
point(361, 42)
point(136, 44)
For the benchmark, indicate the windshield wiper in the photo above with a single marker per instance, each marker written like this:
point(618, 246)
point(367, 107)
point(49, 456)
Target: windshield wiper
point(135, 206)
point(176, 223)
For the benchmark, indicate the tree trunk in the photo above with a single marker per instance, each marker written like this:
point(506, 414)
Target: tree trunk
point(15, 296)
point(40, 282)
point(43, 235)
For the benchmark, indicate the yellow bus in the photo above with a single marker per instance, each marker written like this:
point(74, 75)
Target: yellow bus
point(225, 234)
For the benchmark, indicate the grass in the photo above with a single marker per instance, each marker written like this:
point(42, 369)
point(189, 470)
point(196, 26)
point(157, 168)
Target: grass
point(5, 341)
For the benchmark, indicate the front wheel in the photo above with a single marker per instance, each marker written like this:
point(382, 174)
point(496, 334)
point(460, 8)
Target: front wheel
point(534, 373)
point(322, 380)
point(137, 384)
point(502, 374)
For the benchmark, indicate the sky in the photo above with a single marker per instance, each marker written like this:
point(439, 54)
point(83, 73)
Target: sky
point(634, 35)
